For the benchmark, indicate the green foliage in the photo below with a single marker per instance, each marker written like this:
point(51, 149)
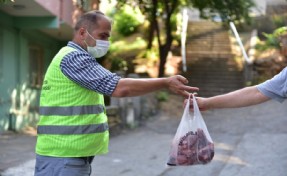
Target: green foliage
point(229, 10)
point(118, 64)
point(279, 20)
point(127, 20)
point(125, 45)
point(117, 55)
point(162, 96)
point(148, 57)
point(273, 39)
point(174, 22)
point(152, 54)
point(5, 1)
point(280, 31)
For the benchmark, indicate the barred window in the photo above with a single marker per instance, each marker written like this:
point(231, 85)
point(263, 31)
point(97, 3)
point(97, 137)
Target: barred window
point(36, 64)
point(1, 55)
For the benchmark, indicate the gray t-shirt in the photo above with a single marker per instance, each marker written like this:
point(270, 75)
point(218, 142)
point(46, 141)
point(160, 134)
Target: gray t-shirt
point(275, 88)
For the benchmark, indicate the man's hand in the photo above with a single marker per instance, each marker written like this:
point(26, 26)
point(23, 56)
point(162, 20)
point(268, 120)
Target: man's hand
point(177, 84)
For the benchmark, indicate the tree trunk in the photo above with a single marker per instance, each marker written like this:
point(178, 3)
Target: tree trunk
point(151, 33)
point(163, 52)
point(165, 48)
point(153, 24)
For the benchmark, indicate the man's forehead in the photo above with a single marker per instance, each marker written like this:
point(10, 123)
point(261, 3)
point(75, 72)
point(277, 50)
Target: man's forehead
point(103, 30)
point(104, 22)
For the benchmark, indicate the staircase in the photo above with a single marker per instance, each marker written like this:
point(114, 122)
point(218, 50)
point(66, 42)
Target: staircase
point(210, 62)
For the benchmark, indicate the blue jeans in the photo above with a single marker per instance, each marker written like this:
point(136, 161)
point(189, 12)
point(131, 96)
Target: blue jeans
point(57, 166)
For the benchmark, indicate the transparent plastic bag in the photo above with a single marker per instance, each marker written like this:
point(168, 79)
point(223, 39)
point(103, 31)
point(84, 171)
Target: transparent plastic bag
point(192, 143)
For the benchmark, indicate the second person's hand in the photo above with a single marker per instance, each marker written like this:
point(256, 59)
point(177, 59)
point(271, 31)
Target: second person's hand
point(201, 102)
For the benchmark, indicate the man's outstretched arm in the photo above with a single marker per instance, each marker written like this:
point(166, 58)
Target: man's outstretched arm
point(128, 87)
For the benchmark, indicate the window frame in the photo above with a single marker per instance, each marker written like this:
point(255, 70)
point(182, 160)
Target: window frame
point(1, 54)
point(38, 57)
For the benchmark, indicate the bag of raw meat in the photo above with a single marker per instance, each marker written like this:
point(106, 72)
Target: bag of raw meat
point(192, 143)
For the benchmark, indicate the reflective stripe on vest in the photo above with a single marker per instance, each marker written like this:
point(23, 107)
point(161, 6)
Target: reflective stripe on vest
point(69, 130)
point(71, 110)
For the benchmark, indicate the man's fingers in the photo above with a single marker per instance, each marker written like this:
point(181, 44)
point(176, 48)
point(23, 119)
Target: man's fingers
point(189, 89)
point(182, 79)
point(177, 84)
point(185, 90)
point(184, 93)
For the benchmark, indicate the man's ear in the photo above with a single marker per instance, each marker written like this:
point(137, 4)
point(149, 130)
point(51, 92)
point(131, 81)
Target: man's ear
point(82, 33)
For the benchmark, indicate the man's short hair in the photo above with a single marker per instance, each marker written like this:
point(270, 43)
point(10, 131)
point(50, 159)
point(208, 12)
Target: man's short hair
point(89, 20)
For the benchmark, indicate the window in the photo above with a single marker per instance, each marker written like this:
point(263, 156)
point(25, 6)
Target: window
point(1, 54)
point(36, 63)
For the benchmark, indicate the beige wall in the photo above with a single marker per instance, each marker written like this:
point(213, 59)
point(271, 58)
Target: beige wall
point(62, 8)
point(68, 10)
point(52, 5)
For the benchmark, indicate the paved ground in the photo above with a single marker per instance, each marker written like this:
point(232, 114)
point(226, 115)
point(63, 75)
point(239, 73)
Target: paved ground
point(248, 142)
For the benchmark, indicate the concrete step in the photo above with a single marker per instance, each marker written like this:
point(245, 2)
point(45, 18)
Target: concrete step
point(198, 45)
point(216, 68)
point(208, 88)
point(214, 76)
point(190, 54)
point(210, 48)
point(207, 39)
point(210, 64)
point(209, 85)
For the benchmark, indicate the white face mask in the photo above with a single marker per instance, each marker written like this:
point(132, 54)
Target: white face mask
point(100, 49)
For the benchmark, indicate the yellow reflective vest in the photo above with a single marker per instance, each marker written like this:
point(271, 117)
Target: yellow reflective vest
point(73, 122)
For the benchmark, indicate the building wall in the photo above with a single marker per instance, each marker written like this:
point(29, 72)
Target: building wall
point(62, 8)
point(8, 78)
point(52, 5)
point(18, 99)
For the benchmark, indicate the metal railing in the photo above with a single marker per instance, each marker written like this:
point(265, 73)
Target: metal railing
point(183, 38)
point(245, 56)
point(248, 59)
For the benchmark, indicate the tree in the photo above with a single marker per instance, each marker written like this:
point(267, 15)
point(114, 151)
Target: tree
point(161, 12)
point(5, 1)
point(158, 12)
point(229, 10)
point(82, 6)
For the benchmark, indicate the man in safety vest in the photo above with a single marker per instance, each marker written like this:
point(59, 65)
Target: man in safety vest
point(73, 124)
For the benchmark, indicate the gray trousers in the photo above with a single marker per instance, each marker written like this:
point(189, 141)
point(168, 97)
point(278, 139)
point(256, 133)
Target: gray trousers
point(56, 166)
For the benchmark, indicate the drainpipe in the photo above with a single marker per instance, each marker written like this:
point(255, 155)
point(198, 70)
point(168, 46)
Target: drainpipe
point(183, 38)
